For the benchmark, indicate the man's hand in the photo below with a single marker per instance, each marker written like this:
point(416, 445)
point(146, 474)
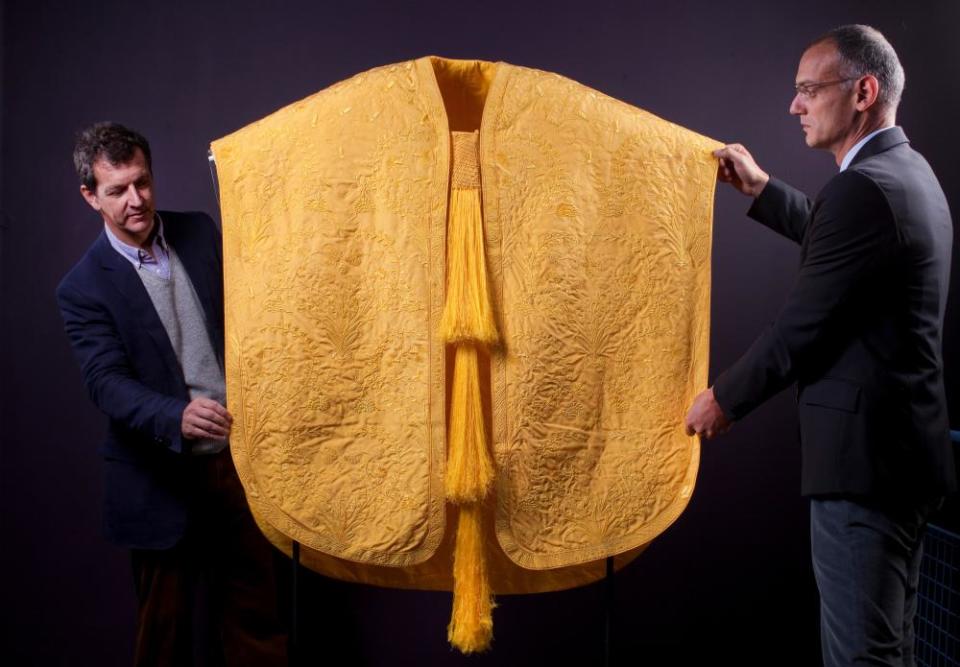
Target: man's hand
point(205, 418)
point(738, 168)
point(705, 418)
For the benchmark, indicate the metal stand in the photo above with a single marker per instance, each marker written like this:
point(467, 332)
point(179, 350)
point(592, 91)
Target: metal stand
point(608, 604)
point(294, 647)
point(294, 657)
point(213, 174)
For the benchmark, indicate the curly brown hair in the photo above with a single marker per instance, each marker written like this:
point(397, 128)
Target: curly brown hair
point(106, 141)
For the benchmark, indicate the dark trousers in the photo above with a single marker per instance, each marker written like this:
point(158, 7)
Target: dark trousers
point(866, 559)
point(225, 552)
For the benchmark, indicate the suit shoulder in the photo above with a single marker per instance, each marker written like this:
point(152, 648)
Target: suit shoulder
point(852, 183)
point(81, 274)
point(901, 173)
point(854, 191)
point(853, 199)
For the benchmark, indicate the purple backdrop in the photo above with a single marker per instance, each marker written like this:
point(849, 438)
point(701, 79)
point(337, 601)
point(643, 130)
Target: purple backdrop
point(730, 580)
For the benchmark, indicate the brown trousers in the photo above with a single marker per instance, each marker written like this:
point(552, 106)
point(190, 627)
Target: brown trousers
point(224, 555)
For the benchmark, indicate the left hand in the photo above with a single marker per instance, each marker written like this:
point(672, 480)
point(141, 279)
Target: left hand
point(705, 417)
point(205, 418)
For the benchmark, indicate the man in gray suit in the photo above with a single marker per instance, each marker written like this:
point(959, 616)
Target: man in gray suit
point(861, 335)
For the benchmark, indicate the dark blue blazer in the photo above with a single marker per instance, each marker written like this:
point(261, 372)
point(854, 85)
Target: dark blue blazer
point(861, 331)
point(132, 374)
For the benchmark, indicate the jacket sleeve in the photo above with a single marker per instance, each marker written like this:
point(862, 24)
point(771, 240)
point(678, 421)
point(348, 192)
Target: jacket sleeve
point(852, 238)
point(783, 209)
point(109, 377)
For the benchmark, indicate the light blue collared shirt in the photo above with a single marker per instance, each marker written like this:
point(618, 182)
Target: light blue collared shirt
point(157, 261)
point(852, 153)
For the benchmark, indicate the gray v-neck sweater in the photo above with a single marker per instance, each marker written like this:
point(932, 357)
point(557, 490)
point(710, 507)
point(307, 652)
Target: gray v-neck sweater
point(179, 308)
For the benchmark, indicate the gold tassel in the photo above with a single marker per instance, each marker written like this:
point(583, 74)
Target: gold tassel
point(468, 323)
point(470, 468)
point(471, 625)
point(467, 313)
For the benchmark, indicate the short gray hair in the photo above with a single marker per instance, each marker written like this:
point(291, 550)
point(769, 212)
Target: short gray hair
point(864, 50)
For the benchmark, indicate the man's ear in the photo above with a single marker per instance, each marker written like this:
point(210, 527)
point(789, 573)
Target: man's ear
point(868, 90)
point(90, 197)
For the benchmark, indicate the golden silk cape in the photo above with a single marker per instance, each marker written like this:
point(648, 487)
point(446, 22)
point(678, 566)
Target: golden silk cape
point(597, 224)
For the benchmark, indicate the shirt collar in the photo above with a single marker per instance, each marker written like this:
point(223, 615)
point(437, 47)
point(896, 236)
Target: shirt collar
point(137, 256)
point(852, 153)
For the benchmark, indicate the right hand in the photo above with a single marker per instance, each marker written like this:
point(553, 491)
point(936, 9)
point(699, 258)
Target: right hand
point(205, 418)
point(739, 169)
point(705, 417)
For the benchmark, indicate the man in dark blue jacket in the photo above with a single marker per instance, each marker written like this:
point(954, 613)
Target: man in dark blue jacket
point(861, 335)
point(144, 312)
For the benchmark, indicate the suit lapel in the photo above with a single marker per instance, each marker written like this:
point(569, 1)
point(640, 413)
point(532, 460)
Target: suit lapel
point(121, 274)
point(196, 264)
point(195, 258)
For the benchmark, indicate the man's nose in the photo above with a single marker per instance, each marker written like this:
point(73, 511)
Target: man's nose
point(797, 106)
point(135, 198)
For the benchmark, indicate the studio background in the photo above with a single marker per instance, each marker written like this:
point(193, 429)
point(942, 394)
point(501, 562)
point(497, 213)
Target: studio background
point(729, 583)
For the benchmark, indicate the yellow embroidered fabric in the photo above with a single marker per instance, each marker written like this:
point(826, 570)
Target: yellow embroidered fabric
point(596, 227)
